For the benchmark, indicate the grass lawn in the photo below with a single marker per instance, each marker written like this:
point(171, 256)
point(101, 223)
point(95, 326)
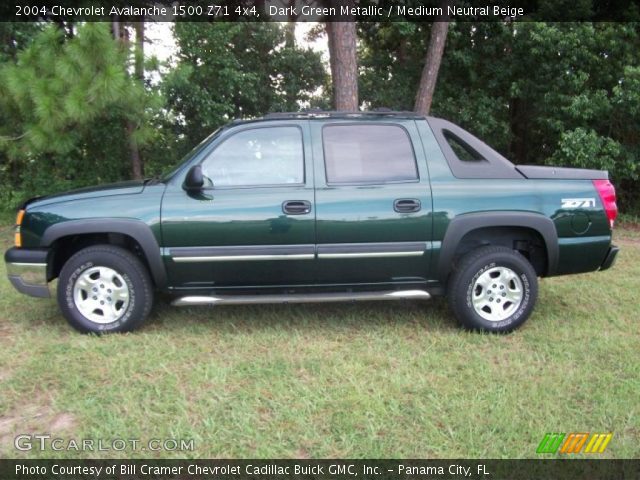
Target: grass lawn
point(370, 380)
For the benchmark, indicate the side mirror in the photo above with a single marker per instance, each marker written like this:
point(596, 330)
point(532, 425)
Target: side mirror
point(194, 179)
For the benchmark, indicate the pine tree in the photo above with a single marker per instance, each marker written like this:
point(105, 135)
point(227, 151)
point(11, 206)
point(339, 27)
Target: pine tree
point(70, 97)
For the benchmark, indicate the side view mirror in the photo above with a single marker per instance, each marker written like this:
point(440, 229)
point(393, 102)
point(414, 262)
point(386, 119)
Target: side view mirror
point(194, 179)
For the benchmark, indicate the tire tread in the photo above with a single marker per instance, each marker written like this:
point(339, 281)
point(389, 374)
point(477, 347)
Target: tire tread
point(457, 287)
point(146, 294)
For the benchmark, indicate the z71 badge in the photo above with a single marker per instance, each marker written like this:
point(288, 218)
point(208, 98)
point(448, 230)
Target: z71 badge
point(578, 202)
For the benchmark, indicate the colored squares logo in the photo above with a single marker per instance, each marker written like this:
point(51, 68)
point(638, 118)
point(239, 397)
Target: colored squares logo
point(574, 443)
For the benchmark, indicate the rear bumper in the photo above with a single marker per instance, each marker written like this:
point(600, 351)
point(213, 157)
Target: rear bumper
point(27, 271)
point(610, 259)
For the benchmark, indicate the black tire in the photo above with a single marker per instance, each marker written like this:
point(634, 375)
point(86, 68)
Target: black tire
point(492, 264)
point(131, 279)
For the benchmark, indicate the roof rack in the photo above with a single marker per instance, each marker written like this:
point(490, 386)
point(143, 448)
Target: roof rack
point(316, 113)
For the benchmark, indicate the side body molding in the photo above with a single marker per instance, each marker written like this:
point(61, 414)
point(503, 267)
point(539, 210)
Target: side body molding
point(463, 224)
point(136, 229)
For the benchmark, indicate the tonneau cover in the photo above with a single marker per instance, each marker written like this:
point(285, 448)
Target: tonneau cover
point(538, 172)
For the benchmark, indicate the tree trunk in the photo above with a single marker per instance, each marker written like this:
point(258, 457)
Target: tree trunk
point(139, 53)
point(424, 97)
point(290, 84)
point(519, 115)
point(344, 65)
point(116, 28)
point(137, 163)
point(332, 60)
point(290, 27)
point(120, 33)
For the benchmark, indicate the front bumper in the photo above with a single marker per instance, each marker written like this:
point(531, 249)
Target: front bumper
point(27, 271)
point(610, 259)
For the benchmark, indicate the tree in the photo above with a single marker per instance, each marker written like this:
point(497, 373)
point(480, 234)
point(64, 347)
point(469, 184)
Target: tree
point(343, 60)
point(14, 37)
point(121, 34)
point(577, 107)
point(69, 100)
point(427, 86)
point(391, 56)
point(232, 70)
point(398, 71)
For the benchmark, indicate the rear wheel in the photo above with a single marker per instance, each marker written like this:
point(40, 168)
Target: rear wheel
point(104, 289)
point(493, 289)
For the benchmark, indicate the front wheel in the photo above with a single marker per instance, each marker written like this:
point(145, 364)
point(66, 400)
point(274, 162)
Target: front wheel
point(493, 289)
point(103, 289)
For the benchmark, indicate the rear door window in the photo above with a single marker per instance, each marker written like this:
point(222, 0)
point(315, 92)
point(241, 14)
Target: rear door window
point(368, 154)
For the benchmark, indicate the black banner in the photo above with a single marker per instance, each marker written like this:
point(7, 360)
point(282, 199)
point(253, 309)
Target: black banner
point(317, 10)
point(319, 469)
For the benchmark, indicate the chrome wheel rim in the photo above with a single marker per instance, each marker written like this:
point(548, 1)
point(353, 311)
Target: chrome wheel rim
point(101, 295)
point(497, 294)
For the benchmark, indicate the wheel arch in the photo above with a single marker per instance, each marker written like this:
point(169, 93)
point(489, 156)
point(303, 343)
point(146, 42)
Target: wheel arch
point(465, 224)
point(136, 230)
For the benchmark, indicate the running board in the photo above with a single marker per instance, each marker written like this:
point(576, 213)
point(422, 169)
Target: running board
point(301, 298)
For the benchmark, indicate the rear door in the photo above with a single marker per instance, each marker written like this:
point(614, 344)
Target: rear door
point(373, 202)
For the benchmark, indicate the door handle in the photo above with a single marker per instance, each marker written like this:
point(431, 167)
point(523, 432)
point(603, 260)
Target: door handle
point(296, 207)
point(407, 205)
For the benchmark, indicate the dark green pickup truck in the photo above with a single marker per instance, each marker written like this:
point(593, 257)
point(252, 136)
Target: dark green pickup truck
point(319, 207)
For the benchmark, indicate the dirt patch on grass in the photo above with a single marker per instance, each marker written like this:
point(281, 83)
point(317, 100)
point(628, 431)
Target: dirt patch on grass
point(63, 422)
point(33, 419)
point(628, 241)
point(630, 226)
point(627, 233)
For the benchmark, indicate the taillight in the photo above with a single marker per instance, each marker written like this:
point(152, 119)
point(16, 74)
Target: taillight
point(607, 193)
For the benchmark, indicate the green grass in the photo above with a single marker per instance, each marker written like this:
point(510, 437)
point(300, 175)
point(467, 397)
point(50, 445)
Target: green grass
point(370, 380)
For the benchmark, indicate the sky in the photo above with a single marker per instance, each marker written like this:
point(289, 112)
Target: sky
point(162, 45)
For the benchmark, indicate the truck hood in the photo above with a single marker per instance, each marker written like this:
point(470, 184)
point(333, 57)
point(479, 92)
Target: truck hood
point(120, 188)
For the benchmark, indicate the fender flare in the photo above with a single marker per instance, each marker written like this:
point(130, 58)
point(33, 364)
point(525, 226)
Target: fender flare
point(135, 229)
point(465, 223)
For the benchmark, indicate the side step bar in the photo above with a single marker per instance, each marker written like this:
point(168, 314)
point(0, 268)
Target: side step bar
point(301, 298)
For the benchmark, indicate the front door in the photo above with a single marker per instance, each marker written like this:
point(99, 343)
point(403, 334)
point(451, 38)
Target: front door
point(253, 225)
point(373, 203)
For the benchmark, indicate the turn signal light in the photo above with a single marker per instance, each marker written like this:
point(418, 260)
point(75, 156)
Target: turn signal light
point(18, 236)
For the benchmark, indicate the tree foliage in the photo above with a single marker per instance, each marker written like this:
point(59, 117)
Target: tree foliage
point(15, 36)
point(67, 99)
point(232, 70)
point(541, 93)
